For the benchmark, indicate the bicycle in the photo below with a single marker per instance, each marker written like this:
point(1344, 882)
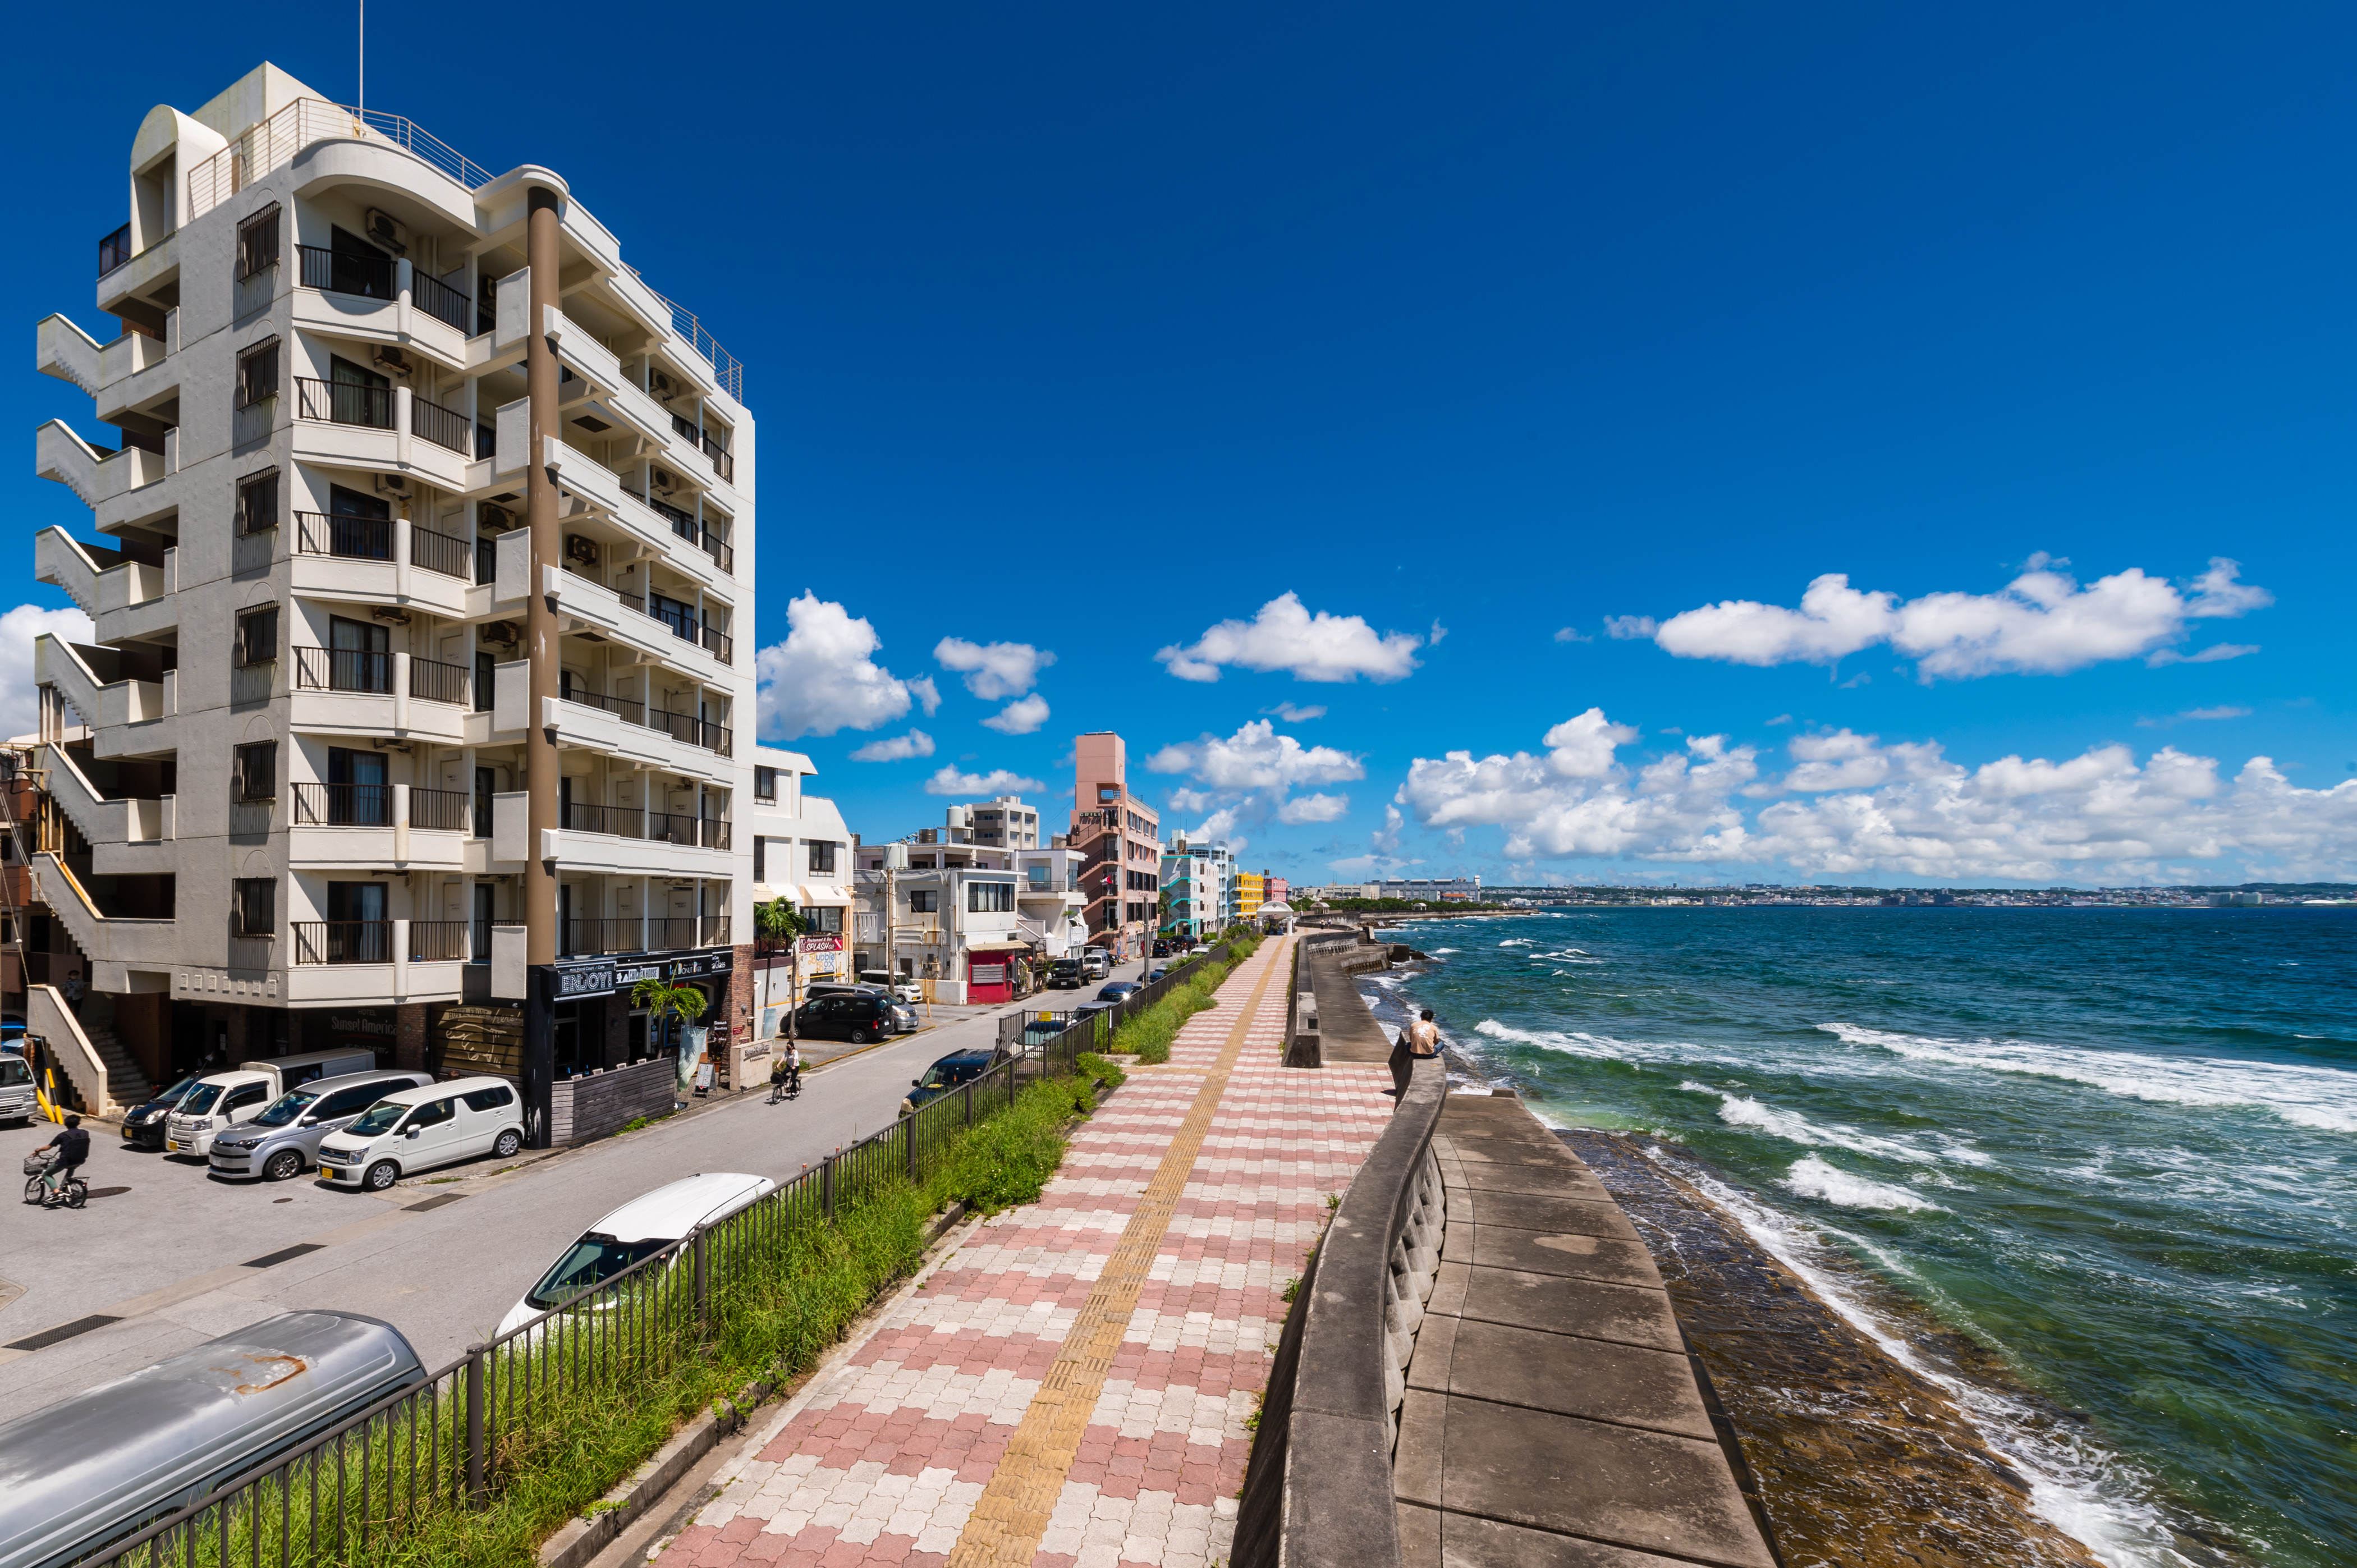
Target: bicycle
point(786, 1086)
point(72, 1192)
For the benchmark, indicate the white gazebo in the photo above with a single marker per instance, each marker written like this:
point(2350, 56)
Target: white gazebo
point(1270, 914)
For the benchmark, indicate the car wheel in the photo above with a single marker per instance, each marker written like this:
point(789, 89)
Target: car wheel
point(284, 1165)
point(507, 1144)
point(858, 1036)
point(381, 1176)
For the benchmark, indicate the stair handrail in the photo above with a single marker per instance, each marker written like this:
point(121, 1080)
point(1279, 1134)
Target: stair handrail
point(62, 1038)
point(55, 759)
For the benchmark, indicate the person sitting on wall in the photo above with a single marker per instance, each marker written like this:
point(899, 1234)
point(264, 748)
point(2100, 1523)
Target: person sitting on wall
point(1420, 1040)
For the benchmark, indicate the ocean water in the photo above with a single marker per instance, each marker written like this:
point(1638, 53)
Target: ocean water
point(2117, 1148)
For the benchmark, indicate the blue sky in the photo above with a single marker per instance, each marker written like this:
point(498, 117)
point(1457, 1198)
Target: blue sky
point(1089, 329)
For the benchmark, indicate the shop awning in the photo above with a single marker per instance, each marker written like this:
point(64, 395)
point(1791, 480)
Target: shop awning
point(998, 947)
point(821, 895)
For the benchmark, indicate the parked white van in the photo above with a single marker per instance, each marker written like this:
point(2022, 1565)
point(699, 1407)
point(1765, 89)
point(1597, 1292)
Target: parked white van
point(225, 1100)
point(418, 1129)
point(640, 1228)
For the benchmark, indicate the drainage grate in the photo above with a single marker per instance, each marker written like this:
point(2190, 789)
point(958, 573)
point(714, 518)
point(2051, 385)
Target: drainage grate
point(272, 1260)
point(63, 1331)
point(434, 1202)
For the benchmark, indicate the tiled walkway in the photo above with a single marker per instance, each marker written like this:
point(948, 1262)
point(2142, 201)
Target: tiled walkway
point(1071, 1390)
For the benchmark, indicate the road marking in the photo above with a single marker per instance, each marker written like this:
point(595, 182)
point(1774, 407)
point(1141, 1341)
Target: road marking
point(1011, 1515)
point(63, 1331)
point(272, 1260)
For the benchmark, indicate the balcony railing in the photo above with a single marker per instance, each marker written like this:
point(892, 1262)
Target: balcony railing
point(370, 277)
point(441, 811)
point(722, 463)
point(716, 832)
point(657, 934)
point(671, 827)
point(682, 727)
point(445, 427)
point(344, 402)
point(586, 937)
point(343, 670)
point(443, 552)
point(438, 941)
point(343, 805)
point(719, 644)
point(442, 301)
point(616, 821)
point(114, 250)
point(723, 555)
point(716, 931)
point(353, 538)
point(432, 681)
point(343, 942)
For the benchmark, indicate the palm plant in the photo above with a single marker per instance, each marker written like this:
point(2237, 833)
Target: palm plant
point(778, 921)
point(662, 1001)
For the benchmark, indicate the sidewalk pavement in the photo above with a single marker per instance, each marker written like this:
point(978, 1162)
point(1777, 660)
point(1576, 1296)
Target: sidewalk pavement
point(1070, 1389)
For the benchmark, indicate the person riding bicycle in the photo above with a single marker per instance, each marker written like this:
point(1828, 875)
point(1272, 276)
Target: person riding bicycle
point(73, 1147)
point(786, 1071)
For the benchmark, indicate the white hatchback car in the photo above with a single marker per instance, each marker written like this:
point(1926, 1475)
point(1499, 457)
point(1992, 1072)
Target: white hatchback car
point(417, 1129)
point(640, 1228)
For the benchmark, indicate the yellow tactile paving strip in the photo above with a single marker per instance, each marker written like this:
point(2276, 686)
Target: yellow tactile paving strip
point(1012, 1513)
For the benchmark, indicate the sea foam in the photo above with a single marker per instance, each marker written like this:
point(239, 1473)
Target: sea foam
point(1743, 1111)
point(1811, 1176)
point(2321, 1097)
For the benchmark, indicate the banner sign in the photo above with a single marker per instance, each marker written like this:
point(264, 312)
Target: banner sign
point(990, 974)
point(586, 977)
point(825, 941)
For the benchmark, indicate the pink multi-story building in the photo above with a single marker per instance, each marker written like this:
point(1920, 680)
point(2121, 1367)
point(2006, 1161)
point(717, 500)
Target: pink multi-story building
point(1122, 837)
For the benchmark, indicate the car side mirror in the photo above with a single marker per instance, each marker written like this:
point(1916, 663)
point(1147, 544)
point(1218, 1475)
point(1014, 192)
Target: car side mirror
point(412, 1133)
point(309, 1121)
point(916, 1083)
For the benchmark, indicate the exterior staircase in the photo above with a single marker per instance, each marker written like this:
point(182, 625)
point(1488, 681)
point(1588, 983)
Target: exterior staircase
point(127, 1081)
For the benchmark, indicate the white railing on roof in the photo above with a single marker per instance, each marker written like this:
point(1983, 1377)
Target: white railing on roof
point(270, 144)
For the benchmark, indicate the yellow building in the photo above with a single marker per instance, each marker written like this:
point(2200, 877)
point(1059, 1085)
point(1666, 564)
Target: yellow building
point(1252, 888)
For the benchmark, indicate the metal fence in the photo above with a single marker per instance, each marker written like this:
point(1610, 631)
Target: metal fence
point(1033, 1025)
point(448, 1444)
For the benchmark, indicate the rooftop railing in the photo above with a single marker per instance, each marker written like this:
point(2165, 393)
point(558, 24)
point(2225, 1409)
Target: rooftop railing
point(270, 144)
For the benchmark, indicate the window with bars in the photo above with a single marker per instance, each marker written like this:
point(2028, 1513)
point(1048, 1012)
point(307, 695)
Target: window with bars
point(253, 905)
point(257, 502)
point(257, 636)
point(257, 375)
point(257, 243)
point(253, 771)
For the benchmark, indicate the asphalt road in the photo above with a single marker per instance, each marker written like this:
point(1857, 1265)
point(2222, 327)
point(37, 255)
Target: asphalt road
point(166, 1251)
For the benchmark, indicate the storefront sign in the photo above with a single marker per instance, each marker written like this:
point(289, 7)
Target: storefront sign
point(990, 974)
point(825, 941)
point(577, 978)
point(369, 1023)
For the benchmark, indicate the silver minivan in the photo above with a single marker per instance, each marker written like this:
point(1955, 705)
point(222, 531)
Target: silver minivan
point(97, 1466)
point(283, 1141)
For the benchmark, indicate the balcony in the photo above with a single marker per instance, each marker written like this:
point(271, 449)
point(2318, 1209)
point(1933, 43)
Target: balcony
point(685, 526)
point(682, 727)
point(672, 933)
point(343, 670)
point(432, 681)
point(369, 277)
point(378, 942)
point(343, 805)
point(443, 302)
point(341, 403)
point(445, 427)
point(372, 539)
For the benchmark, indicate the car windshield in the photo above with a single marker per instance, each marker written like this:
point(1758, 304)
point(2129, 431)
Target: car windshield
point(172, 1095)
point(944, 1075)
point(590, 1260)
point(12, 1071)
point(201, 1099)
point(283, 1110)
point(377, 1118)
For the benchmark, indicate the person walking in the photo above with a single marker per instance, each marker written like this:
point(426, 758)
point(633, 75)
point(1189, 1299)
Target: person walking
point(1420, 1039)
point(73, 1147)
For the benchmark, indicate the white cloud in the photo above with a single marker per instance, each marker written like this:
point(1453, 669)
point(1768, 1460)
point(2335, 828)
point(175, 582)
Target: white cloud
point(822, 679)
point(1020, 717)
point(1779, 719)
point(997, 781)
point(1256, 757)
point(1566, 634)
point(2210, 655)
point(2040, 623)
point(1360, 865)
point(20, 700)
point(927, 695)
point(1629, 629)
point(899, 748)
point(994, 671)
point(2196, 714)
point(1293, 715)
point(1856, 807)
point(1313, 809)
point(1438, 632)
point(1285, 636)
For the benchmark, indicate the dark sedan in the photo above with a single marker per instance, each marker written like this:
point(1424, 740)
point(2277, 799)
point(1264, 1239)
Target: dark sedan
point(142, 1125)
point(1115, 990)
point(952, 1071)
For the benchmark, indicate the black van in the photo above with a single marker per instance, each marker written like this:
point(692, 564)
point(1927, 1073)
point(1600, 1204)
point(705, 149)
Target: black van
point(857, 1016)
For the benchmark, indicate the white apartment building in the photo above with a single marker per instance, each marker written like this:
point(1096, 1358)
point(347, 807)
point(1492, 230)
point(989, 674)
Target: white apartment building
point(419, 580)
point(1004, 821)
point(802, 852)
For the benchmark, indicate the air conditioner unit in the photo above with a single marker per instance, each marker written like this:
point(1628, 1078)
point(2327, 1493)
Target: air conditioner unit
point(662, 480)
point(385, 230)
point(501, 632)
point(393, 483)
point(392, 360)
point(659, 383)
point(496, 517)
point(582, 548)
